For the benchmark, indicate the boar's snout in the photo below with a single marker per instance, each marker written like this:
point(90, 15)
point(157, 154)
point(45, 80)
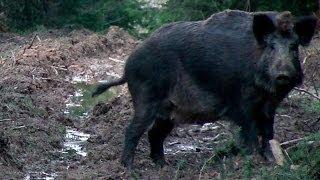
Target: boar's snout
point(283, 78)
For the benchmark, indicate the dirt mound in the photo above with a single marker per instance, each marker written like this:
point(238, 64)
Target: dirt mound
point(35, 81)
point(113, 49)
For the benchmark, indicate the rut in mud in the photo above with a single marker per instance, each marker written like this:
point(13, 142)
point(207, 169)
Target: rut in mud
point(52, 128)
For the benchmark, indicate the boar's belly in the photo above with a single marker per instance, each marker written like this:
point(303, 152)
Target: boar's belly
point(194, 105)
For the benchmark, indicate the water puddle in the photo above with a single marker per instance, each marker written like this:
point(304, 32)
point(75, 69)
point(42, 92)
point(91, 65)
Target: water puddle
point(40, 175)
point(80, 102)
point(78, 105)
point(75, 140)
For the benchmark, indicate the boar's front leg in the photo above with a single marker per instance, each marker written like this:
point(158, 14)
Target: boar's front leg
point(265, 121)
point(248, 129)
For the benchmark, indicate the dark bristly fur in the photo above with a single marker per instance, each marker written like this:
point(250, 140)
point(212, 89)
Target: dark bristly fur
point(235, 64)
point(105, 86)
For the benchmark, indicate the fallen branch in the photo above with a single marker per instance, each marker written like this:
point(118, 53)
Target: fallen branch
point(307, 92)
point(277, 152)
point(292, 141)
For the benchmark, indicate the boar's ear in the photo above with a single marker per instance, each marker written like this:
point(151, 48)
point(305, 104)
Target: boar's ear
point(262, 26)
point(305, 28)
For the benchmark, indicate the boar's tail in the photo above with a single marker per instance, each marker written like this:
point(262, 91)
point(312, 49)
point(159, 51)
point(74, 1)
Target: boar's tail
point(105, 86)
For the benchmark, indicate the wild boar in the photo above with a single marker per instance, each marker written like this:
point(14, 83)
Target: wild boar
point(235, 64)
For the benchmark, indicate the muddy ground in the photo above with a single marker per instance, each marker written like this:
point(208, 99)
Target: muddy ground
point(41, 72)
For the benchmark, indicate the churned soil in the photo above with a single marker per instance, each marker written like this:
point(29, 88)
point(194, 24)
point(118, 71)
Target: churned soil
point(36, 78)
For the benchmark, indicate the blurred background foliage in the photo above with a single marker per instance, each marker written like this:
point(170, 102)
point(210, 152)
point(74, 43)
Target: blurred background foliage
point(139, 17)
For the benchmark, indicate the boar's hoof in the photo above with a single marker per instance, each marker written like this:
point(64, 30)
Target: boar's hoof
point(127, 162)
point(159, 161)
point(268, 156)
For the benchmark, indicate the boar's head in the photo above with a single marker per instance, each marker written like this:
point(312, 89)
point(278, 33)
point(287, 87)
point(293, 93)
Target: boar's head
point(278, 38)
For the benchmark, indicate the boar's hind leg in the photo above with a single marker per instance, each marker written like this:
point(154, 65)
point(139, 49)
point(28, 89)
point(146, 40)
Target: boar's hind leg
point(144, 117)
point(157, 135)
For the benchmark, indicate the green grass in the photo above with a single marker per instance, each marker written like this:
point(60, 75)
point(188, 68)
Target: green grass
point(27, 103)
point(305, 162)
point(181, 165)
point(86, 101)
point(310, 106)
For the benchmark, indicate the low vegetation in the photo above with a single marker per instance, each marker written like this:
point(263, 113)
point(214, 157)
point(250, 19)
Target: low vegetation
point(139, 17)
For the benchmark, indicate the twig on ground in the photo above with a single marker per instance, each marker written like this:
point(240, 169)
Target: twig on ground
point(216, 137)
point(116, 60)
point(31, 44)
point(49, 79)
point(295, 145)
point(306, 58)
point(307, 92)
point(55, 70)
point(14, 58)
point(292, 141)
point(113, 75)
point(60, 68)
point(19, 127)
point(287, 154)
point(205, 164)
point(284, 115)
point(38, 38)
point(3, 120)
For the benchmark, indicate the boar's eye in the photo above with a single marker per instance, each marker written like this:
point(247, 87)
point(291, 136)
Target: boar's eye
point(272, 46)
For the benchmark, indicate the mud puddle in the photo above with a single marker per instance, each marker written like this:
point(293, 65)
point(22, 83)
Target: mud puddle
point(78, 106)
point(74, 141)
